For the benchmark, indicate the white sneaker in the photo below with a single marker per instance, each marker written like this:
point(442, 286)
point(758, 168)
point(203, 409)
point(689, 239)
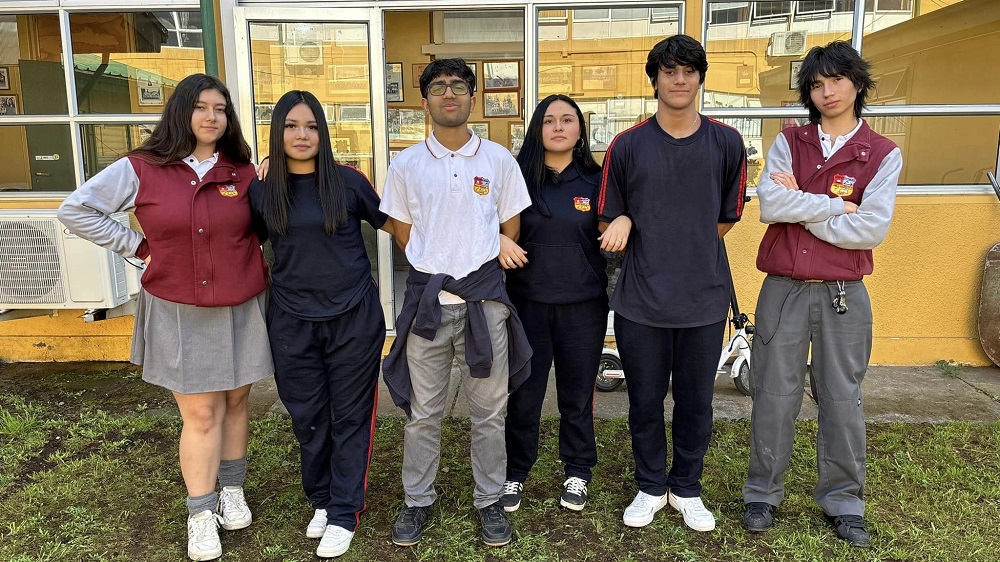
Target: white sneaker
point(203, 536)
point(317, 525)
point(694, 512)
point(336, 541)
point(640, 512)
point(234, 509)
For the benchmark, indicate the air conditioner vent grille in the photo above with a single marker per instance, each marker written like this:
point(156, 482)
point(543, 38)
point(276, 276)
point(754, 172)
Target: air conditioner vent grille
point(30, 267)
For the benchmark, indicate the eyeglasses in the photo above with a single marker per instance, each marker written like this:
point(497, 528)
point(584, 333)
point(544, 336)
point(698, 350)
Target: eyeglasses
point(459, 88)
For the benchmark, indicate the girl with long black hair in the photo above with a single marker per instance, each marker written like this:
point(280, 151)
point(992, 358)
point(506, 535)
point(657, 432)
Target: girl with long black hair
point(199, 329)
point(559, 287)
point(324, 318)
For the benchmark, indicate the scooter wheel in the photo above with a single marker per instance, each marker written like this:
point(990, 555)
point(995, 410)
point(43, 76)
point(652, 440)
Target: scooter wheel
point(605, 384)
point(742, 378)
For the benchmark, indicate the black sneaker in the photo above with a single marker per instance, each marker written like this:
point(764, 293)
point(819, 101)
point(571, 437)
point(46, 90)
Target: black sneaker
point(574, 494)
point(757, 516)
point(409, 527)
point(496, 528)
point(510, 498)
point(851, 528)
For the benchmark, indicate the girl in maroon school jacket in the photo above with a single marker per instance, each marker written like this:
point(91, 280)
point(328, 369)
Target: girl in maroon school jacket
point(199, 329)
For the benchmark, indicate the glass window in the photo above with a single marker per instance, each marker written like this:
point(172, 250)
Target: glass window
point(938, 150)
point(912, 51)
point(328, 60)
point(103, 144)
point(751, 62)
point(32, 80)
point(605, 76)
point(36, 158)
point(130, 62)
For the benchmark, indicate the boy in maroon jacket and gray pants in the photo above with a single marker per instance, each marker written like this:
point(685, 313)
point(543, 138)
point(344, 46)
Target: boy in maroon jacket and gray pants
point(827, 192)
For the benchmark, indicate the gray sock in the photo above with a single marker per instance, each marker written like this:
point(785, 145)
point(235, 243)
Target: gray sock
point(196, 505)
point(233, 473)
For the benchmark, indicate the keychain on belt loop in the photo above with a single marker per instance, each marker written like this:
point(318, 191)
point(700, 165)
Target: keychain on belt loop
point(840, 301)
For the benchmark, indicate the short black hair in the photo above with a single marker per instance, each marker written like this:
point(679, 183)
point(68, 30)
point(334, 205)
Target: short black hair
point(836, 59)
point(676, 50)
point(452, 67)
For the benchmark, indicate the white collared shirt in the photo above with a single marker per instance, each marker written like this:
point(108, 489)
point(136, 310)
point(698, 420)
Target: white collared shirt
point(829, 148)
point(201, 168)
point(456, 201)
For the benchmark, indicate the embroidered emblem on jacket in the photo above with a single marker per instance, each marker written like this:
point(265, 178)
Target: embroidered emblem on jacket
point(228, 190)
point(481, 185)
point(843, 185)
point(581, 203)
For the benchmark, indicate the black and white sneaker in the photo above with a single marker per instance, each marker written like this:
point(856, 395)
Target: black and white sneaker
point(510, 498)
point(574, 494)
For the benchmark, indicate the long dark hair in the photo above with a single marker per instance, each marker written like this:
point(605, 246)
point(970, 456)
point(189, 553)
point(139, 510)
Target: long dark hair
point(836, 59)
point(173, 139)
point(329, 182)
point(531, 158)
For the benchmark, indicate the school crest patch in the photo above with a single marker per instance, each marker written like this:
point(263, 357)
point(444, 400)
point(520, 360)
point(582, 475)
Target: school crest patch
point(843, 185)
point(481, 185)
point(581, 204)
point(228, 190)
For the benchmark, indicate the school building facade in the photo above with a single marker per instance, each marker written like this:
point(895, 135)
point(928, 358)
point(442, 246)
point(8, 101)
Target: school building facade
point(83, 81)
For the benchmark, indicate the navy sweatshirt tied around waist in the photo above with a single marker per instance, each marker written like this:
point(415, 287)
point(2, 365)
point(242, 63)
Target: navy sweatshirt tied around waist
point(421, 317)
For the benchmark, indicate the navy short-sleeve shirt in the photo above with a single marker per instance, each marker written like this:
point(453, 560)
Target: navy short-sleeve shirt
point(316, 276)
point(676, 191)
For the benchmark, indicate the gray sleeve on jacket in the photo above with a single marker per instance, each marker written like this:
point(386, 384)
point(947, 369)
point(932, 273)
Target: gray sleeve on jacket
point(867, 228)
point(86, 211)
point(779, 204)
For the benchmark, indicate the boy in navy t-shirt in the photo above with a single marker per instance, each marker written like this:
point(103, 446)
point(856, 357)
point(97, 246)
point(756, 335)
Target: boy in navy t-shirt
point(673, 185)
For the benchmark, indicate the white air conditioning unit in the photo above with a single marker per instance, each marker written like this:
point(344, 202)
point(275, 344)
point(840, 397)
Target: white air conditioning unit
point(45, 266)
point(307, 53)
point(787, 43)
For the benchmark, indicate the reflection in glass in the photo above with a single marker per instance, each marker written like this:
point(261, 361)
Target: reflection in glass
point(753, 47)
point(940, 150)
point(606, 74)
point(130, 62)
point(103, 144)
point(331, 61)
point(914, 45)
point(36, 158)
point(32, 81)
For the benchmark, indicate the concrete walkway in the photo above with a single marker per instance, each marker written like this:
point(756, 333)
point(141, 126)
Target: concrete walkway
point(906, 394)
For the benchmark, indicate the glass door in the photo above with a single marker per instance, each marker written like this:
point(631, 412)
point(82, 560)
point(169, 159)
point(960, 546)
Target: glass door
point(328, 53)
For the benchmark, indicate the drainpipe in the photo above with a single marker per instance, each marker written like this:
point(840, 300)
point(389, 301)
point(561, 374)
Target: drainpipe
point(208, 40)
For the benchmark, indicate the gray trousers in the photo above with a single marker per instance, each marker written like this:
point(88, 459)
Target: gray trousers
point(430, 373)
point(791, 315)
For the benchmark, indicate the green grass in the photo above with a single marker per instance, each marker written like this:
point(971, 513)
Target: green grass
point(84, 483)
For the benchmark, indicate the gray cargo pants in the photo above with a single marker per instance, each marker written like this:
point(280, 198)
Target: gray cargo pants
point(430, 373)
point(790, 315)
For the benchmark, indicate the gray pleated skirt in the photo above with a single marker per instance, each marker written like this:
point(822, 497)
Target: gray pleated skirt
point(191, 349)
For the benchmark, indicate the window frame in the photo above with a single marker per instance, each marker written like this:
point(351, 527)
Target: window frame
point(875, 111)
point(74, 119)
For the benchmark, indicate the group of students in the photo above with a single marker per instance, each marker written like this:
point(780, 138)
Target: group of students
point(507, 276)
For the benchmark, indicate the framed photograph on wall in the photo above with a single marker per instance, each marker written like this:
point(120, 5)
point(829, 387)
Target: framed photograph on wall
point(8, 105)
point(502, 104)
point(601, 77)
point(793, 75)
point(394, 81)
point(150, 93)
point(418, 69)
point(4, 78)
point(500, 75)
point(481, 128)
point(516, 137)
point(406, 124)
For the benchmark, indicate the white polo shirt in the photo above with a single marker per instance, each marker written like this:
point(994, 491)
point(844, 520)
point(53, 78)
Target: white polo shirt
point(455, 201)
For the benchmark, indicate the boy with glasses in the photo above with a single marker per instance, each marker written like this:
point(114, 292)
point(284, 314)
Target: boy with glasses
point(449, 199)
